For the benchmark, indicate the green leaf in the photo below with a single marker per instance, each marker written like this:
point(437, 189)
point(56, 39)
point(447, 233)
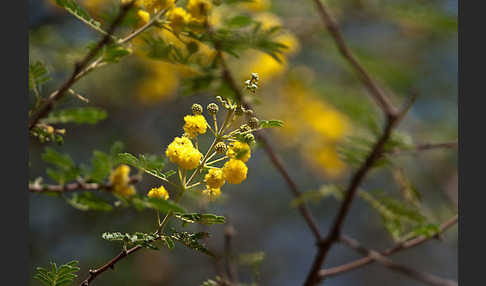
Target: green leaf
point(270, 123)
point(428, 230)
point(115, 149)
point(58, 276)
point(168, 242)
point(397, 216)
point(316, 196)
point(254, 258)
point(163, 205)
point(139, 238)
point(38, 75)
point(77, 11)
point(191, 240)
point(113, 53)
point(150, 164)
point(88, 201)
point(65, 169)
point(207, 219)
point(79, 115)
point(101, 166)
point(239, 21)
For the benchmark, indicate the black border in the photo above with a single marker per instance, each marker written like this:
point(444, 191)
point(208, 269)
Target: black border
point(14, 209)
point(471, 98)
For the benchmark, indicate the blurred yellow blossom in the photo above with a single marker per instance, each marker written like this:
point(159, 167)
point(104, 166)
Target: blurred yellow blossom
point(120, 180)
point(178, 18)
point(255, 5)
point(159, 193)
point(308, 115)
point(144, 17)
point(199, 9)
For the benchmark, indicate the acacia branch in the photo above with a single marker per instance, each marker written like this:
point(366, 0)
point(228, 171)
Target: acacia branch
point(425, 147)
point(375, 91)
point(324, 273)
point(376, 256)
point(335, 231)
point(93, 273)
point(76, 186)
point(79, 68)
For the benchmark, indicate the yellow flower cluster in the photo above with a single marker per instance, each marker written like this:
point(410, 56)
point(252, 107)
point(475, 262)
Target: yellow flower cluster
point(239, 150)
point(234, 171)
point(159, 193)
point(195, 124)
point(182, 152)
point(120, 179)
point(214, 180)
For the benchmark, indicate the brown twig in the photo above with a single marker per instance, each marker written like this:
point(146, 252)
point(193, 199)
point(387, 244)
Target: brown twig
point(425, 147)
point(376, 256)
point(231, 270)
point(93, 273)
point(324, 273)
point(375, 91)
point(75, 186)
point(79, 68)
point(357, 179)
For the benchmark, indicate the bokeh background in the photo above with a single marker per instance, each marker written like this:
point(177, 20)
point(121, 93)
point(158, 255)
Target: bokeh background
point(405, 45)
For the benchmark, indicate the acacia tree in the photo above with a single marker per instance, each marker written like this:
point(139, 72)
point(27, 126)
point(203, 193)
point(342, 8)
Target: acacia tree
point(234, 129)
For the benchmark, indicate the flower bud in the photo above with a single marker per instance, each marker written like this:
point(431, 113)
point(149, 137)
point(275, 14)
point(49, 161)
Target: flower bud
point(253, 122)
point(239, 110)
point(244, 128)
point(212, 108)
point(249, 138)
point(197, 109)
point(220, 148)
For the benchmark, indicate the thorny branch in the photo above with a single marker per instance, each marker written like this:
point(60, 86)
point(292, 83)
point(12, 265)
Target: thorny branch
point(378, 257)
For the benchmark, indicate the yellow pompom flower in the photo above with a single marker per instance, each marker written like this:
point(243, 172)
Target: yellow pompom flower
point(214, 178)
point(239, 150)
point(144, 17)
point(159, 193)
point(212, 193)
point(176, 148)
point(195, 124)
point(199, 9)
point(189, 158)
point(234, 171)
point(178, 18)
point(119, 176)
